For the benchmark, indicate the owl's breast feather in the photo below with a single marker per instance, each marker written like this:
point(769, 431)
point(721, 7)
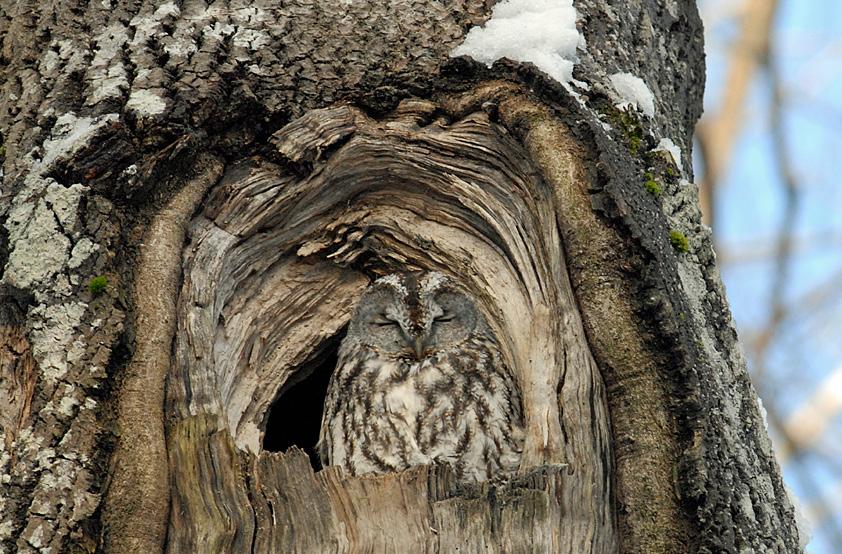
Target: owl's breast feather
point(403, 399)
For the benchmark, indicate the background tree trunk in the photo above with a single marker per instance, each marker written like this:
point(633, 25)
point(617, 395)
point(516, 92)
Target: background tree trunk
point(238, 172)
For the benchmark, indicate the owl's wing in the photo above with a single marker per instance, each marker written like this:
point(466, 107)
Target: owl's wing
point(323, 445)
point(333, 407)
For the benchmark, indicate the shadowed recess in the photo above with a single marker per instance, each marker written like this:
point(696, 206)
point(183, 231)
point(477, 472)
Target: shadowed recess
point(295, 417)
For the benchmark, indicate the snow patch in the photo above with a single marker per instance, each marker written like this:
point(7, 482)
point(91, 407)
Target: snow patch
point(804, 525)
point(633, 92)
point(762, 409)
point(667, 145)
point(542, 32)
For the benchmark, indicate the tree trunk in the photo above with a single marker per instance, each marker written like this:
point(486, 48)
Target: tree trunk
point(193, 198)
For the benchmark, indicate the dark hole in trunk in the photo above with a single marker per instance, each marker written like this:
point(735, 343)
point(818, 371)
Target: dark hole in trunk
point(296, 415)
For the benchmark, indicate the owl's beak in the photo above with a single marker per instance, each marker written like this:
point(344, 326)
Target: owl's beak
point(418, 346)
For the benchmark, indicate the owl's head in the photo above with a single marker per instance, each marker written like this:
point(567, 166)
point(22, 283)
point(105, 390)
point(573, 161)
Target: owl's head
point(414, 315)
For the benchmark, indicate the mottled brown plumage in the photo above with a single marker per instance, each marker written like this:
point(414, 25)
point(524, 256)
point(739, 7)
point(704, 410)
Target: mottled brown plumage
point(420, 379)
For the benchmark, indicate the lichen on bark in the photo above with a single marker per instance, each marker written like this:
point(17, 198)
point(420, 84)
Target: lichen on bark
point(106, 107)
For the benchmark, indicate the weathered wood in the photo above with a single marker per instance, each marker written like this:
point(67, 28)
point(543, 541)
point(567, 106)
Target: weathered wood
point(276, 262)
point(138, 499)
point(277, 504)
point(644, 429)
point(105, 108)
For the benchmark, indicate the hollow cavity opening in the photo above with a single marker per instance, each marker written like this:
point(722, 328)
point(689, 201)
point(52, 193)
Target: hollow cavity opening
point(296, 415)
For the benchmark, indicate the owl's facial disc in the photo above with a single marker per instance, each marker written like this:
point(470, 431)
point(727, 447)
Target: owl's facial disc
point(415, 315)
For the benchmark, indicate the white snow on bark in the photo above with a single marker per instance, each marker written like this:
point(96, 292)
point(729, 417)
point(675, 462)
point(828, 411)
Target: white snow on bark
point(763, 413)
point(667, 145)
point(804, 525)
point(633, 92)
point(542, 32)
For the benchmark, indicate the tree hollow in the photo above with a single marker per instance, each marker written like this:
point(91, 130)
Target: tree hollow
point(275, 262)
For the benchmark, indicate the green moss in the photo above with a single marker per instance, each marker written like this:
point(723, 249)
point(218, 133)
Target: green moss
point(97, 285)
point(661, 165)
point(679, 241)
point(629, 125)
point(652, 186)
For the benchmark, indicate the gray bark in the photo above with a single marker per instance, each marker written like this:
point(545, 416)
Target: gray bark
point(176, 149)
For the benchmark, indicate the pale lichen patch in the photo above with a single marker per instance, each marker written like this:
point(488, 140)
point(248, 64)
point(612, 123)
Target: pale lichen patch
point(39, 248)
point(81, 251)
point(36, 532)
point(145, 102)
point(251, 39)
point(107, 74)
point(69, 135)
point(167, 10)
point(64, 202)
point(218, 31)
point(52, 332)
point(67, 404)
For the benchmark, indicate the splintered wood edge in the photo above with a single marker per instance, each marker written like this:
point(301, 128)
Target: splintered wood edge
point(266, 497)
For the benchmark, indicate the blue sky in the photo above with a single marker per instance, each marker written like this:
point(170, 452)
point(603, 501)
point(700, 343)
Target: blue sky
point(807, 46)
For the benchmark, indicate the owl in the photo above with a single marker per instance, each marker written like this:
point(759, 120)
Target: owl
point(420, 379)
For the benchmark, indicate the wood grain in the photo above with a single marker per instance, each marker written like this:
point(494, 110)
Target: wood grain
point(275, 262)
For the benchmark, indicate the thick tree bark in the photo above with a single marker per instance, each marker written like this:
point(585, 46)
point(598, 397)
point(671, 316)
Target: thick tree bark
point(238, 173)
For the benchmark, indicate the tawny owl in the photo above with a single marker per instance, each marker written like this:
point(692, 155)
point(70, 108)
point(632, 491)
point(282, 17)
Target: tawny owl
point(420, 378)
